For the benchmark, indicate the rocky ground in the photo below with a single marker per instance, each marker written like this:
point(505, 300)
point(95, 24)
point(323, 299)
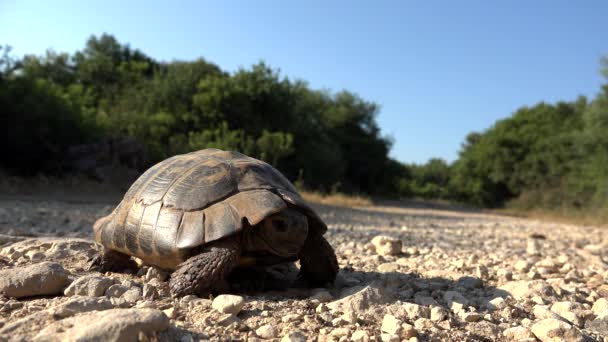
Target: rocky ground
point(407, 273)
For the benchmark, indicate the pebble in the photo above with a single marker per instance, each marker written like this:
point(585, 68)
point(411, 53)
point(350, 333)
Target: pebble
point(45, 278)
point(518, 334)
point(522, 289)
point(569, 311)
point(550, 330)
point(116, 290)
point(387, 245)
point(360, 336)
point(228, 304)
point(294, 336)
point(92, 286)
point(155, 273)
point(132, 295)
point(266, 331)
point(438, 314)
point(391, 325)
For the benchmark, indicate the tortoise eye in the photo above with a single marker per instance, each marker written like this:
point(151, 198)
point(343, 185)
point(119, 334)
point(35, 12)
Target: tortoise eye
point(280, 225)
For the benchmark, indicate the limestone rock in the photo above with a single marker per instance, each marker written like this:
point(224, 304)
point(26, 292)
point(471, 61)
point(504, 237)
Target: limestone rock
point(108, 325)
point(45, 278)
point(228, 304)
point(92, 286)
point(387, 245)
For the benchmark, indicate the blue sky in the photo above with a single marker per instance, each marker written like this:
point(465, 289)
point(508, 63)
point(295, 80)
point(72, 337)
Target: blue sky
point(439, 69)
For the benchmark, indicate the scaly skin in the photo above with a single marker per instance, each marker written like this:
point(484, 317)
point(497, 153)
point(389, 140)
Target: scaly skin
point(206, 272)
point(318, 262)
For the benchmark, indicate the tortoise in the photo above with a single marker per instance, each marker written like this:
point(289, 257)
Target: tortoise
point(204, 213)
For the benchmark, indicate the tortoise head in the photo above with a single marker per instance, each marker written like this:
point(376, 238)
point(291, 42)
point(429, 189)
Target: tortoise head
point(282, 234)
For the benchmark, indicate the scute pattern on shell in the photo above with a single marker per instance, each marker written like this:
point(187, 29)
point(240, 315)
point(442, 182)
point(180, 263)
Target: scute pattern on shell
point(191, 199)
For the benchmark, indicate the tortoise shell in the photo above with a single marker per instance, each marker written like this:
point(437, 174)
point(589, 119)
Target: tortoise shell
point(189, 200)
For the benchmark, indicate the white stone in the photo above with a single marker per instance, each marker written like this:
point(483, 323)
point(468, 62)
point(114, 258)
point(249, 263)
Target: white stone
point(550, 330)
point(391, 325)
point(387, 245)
point(438, 314)
point(360, 336)
point(518, 334)
point(228, 304)
point(266, 331)
point(294, 336)
point(568, 310)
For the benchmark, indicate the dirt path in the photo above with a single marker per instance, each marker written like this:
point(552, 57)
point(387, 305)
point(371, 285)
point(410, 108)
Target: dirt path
point(437, 274)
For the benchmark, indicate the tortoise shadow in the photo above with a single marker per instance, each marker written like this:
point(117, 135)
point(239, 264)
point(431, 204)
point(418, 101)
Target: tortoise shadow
point(280, 282)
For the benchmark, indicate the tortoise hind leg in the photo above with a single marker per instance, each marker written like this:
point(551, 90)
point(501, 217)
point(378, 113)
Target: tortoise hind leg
point(318, 263)
point(111, 261)
point(206, 272)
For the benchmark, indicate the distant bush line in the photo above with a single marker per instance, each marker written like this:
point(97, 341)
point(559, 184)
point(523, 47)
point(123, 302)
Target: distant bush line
point(59, 106)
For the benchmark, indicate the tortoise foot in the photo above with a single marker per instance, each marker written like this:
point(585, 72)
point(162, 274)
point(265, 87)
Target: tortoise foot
point(318, 262)
point(205, 273)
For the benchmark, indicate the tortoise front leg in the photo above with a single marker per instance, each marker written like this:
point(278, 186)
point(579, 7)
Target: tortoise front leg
point(318, 262)
point(206, 272)
point(111, 261)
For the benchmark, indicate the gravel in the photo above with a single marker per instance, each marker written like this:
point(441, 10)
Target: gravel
point(410, 272)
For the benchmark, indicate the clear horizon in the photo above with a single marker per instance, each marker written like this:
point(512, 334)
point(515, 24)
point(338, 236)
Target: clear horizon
point(438, 70)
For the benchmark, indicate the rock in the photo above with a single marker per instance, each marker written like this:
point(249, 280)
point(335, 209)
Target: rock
point(150, 292)
point(438, 314)
point(360, 336)
point(387, 245)
point(522, 266)
point(569, 311)
point(293, 317)
point(470, 282)
point(549, 330)
point(496, 304)
point(600, 307)
point(116, 290)
point(484, 329)
point(598, 325)
point(391, 325)
point(424, 324)
point(226, 320)
point(294, 336)
point(228, 304)
point(518, 334)
point(408, 330)
point(532, 247)
point(470, 316)
point(155, 273)
point(360, 298)
point(340, 332)
point(349, 317)
point(388, 267)
point(45, 278)
point(92, 286)
point(132, 295)
point(321, 295)
point(544, 312)
point(455, 300)
point(80, 304)
point(389, 338)
point(108, 325)
point(266, 331)
point(527, 288)
point(415, 311)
